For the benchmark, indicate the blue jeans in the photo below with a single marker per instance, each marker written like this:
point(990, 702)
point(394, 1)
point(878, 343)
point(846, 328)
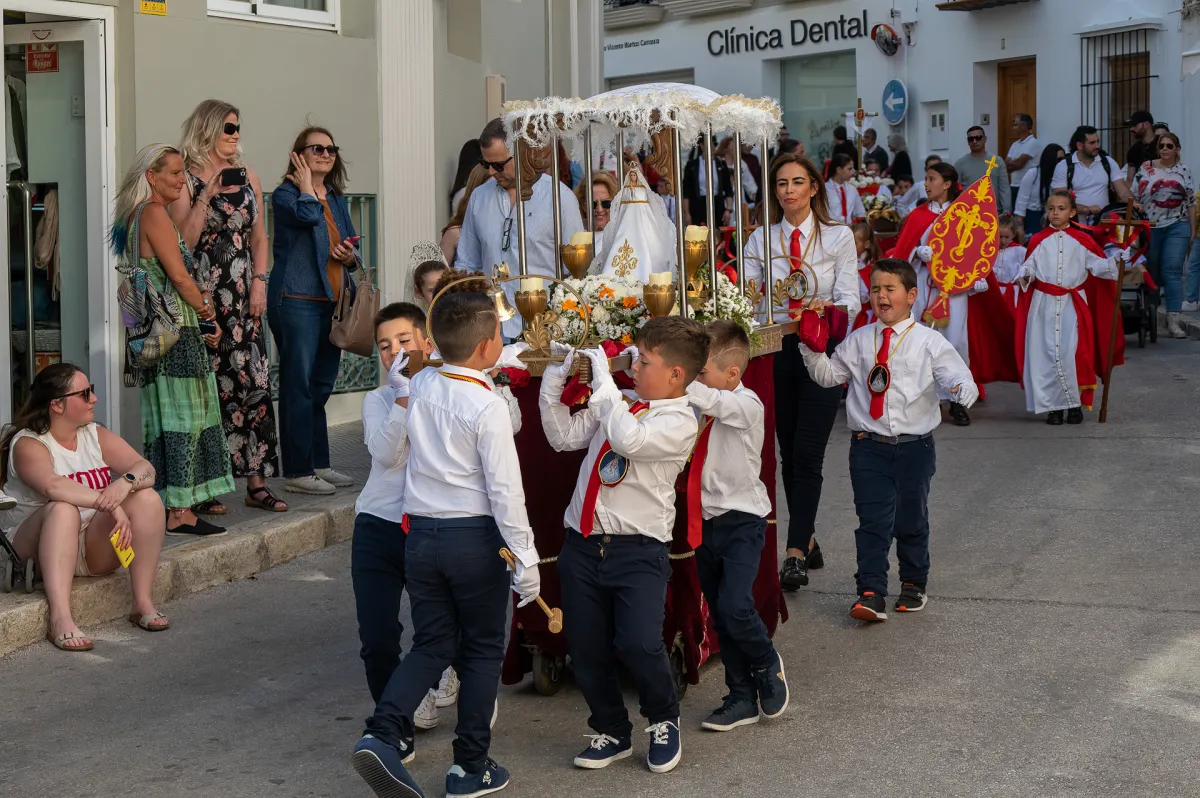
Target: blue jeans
point(1168, 248)
point(308, 368)
point(727, 563)
point(377, 571)
point(1193, 273)
point(459, 590)
point(891, 497)
point(614, 598)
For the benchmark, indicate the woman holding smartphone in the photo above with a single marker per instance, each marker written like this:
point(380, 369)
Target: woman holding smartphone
point(220, 219)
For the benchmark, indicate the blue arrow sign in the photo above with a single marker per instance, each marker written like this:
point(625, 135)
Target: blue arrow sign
point(895, 101)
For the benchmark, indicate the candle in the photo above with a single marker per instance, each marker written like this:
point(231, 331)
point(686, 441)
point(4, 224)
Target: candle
point(581, 239)
point(531, 284)
point(660, 278)
point(695, 232)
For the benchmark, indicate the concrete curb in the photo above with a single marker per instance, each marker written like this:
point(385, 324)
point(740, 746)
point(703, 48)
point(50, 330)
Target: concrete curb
point(1189, 322)
point(185, 569)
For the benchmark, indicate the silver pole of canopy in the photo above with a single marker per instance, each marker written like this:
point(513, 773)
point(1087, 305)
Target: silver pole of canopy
point(765, 221)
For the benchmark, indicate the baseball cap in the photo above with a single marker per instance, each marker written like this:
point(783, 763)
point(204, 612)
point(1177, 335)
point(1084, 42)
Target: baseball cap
point(1138, 117)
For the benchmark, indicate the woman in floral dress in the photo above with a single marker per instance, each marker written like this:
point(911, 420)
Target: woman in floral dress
point(224, 226)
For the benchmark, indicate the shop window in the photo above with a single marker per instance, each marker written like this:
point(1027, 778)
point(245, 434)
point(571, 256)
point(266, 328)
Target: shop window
point(816, 92)
point(305, 13)
point(1115, 82)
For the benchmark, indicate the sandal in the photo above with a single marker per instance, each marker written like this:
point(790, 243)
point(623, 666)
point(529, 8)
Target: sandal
point(263, 499)
point(210, 507)
point(61, 641)
point(158, 622)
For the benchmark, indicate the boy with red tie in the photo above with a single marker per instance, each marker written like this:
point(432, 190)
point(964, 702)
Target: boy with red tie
point(732, 518)
point(614, 562)
point(894, 369)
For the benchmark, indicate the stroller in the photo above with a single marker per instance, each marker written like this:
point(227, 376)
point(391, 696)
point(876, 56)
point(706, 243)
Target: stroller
point(16, 570)
point(1139, 293)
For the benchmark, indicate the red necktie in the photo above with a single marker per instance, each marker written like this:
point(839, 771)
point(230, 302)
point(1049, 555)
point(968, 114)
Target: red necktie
point(796, 260)
point(881, 359)
point(695, 520)
point(587, 516)
point(845, 211)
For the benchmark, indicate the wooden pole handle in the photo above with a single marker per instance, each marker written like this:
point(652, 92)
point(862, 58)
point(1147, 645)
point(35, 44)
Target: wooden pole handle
point(1112, 343)
point(555, 615)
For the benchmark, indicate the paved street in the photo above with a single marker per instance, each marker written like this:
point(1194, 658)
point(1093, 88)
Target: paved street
point(1059, 656)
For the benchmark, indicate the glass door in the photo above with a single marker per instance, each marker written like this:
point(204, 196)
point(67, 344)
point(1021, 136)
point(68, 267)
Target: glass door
point(59, 295)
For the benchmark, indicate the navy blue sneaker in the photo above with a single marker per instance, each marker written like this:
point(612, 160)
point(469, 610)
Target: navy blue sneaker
point(734, 711)
point(381, 766)
point(460, 784)
point(603, 751)
point(772, 689)
point(665, 749)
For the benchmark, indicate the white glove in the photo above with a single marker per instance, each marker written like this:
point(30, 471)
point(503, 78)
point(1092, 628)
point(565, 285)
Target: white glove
point(397, 381)
point(508, 357)
point(924, 253)
point(980, 286)
point(558, 373)
point(527, 583)
point(601, 373)
point(634, 354)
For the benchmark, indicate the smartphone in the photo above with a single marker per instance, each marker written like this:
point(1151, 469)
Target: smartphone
point(352, 240)
point(207, 327)
point(124, 555)
point(233, 177)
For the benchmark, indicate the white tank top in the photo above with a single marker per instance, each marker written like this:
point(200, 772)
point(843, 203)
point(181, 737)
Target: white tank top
point(85, 465)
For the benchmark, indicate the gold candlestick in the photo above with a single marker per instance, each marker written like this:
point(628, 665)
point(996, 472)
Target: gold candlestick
point(659, 299)
point(577, 258)
point(695, 254)
point(531, 304)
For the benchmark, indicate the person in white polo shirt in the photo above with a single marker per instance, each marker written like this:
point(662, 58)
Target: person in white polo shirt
point(1024, 151)
point(1089, 173)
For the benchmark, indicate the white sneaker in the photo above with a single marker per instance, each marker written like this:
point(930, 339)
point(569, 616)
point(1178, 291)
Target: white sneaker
point(1190, 307)
point(426, 716)
point(1173, 328)
point(310, 484)
point(447, 690)
point(334, 478)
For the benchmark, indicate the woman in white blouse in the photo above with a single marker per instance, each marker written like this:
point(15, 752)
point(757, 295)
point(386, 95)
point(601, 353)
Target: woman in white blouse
point(1035, 187)
point(802, 232)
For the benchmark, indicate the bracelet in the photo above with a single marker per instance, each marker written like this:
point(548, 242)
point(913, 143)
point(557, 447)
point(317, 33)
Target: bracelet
point(262, 277)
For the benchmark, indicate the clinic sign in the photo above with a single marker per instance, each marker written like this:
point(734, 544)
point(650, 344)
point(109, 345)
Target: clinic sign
point(799, 32)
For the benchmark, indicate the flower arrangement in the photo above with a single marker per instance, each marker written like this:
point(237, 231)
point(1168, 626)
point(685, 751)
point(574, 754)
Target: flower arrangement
point(731, 304)
point(614, 303)
point(862, 181)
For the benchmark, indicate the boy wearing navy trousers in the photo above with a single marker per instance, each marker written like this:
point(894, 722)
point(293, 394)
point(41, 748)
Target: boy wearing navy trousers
point(464, 501)
point(727, 516)
point(893, 368)
point(614, 563)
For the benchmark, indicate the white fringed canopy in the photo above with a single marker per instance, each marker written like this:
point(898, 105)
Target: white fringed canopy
point(641, 111)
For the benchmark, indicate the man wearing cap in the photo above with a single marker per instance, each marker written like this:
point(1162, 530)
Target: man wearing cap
point(1141, 127)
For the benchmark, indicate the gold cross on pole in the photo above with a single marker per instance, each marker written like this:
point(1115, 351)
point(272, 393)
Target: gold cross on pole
point(992, 163)
point(859, 117)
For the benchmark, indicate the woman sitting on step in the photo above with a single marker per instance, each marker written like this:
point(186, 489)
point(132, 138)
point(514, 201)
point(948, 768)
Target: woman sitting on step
point(75, 483)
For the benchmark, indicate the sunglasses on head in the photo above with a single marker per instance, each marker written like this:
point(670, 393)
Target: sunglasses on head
point(497, 166)
point(598, 204)
point(321, 149)
point(976, 137)
point(507, 235)
point(231, 129)
point(87, 393)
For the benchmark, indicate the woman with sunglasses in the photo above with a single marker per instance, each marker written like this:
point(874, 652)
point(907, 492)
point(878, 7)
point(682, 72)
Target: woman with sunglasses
point(76, 484)
point(1166, 193)
point(220, 218)
point(604, 188)
point(315, 247)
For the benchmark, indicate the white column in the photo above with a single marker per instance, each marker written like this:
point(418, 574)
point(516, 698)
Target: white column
point(404, 33)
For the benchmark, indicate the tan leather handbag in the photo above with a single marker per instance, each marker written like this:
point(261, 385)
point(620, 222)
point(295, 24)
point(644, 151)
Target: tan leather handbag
point(353, 328)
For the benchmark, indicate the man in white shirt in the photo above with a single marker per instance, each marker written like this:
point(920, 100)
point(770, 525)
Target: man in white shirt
point(1024, 149)
point(844, 203)
point(489, 230)
point(1088, 172)
point(893, 369)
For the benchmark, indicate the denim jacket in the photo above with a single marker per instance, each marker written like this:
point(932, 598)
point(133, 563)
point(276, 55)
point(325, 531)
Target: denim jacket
point(302, 246)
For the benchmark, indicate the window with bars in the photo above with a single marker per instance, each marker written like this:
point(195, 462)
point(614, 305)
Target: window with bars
point(1115, 82)
point(308, 13)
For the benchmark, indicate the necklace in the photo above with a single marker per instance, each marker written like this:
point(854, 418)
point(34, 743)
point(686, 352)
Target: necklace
point(879, 379)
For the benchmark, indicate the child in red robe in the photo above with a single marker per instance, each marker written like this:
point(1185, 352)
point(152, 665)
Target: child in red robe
point(867, 247)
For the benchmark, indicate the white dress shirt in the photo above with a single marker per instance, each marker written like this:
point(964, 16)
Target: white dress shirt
point(657, 446)
point(1089, 183)
point(844, 203)
point(462, 460)
point(385, 432)
point(832, 259)
point(1027, 146)
point(730, 479)
point(481, 245)
point(1029, 195)
point(921, 361)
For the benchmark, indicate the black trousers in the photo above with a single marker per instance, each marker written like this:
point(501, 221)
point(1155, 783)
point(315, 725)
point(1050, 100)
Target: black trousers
point(614, 597)
point(804, 417)
point(377, 571)
point(727, 563)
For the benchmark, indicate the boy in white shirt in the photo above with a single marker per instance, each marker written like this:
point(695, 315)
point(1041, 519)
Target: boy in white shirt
point(614, 562)
point(844, 203)
point(732, 517)
point(893, 369)
point(464, 500)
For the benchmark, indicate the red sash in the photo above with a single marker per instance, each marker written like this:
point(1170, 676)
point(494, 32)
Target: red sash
point(1085, 357)
point(695, 521)
point(587, 516)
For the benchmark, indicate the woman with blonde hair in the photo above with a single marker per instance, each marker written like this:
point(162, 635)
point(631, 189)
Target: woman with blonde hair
point(453, 229)
point(604, 188)
point(181, 415)
point(220, 219)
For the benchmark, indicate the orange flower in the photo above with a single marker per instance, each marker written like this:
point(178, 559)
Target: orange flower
point(626, 339)
point(606, 292)
point(570, 304)
point(629, 302)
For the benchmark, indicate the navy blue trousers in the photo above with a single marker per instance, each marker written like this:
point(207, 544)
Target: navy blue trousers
point(377, 571)
point(891, 497)
point(459, 590)
point(727, 562)
point(614, 597)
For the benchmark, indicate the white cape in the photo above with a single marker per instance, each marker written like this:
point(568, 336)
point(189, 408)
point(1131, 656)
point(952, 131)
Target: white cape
point(640, 238)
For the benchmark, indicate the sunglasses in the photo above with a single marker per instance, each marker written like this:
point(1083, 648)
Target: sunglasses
point(232, 129)
point(974, 138)
point(1166, 145)
point(497, 166)
point(598, 204)
point(321, 149)
point(507, 237)
point(87, 393)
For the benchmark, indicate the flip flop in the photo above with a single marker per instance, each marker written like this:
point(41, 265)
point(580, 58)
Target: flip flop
point(148, 621)
point(60, 642)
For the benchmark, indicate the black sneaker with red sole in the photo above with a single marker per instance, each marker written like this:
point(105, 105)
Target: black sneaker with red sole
point(869, 607)
point(912, 598)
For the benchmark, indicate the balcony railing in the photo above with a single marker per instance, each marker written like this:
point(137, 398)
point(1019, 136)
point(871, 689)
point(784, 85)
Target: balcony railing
point(975, 5)
point(631, 13)
point(355, 373)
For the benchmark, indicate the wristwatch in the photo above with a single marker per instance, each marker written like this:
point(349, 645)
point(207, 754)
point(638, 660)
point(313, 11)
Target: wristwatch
point(130, 478)
point(262, 277)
